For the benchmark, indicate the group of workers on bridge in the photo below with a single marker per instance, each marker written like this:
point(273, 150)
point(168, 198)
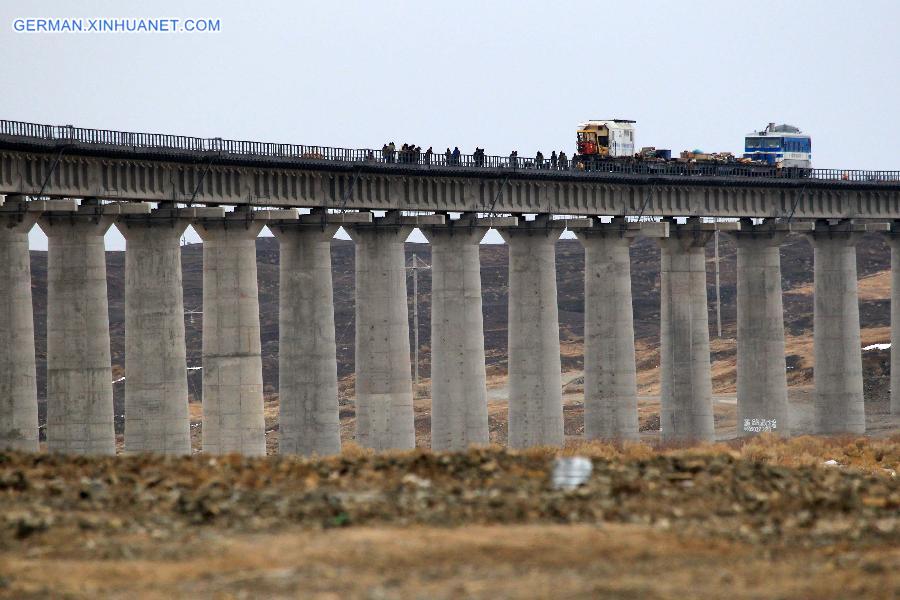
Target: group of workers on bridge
point(412, 154)
point(560, 161)
point(408, 153)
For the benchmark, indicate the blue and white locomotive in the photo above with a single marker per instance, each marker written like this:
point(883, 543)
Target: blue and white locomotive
point(780, 145)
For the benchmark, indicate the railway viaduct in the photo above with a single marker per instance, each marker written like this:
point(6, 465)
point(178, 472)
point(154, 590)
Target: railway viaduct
point(77, 183)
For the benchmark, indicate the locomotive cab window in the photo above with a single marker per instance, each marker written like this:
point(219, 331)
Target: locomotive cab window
point(754, 142)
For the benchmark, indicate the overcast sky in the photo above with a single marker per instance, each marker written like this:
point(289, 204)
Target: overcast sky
point(500, 75)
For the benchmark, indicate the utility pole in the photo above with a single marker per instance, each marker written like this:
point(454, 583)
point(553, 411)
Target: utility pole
point(192, 388)
point(414, 267)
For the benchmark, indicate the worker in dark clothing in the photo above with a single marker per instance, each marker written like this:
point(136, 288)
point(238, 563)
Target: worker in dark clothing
point(563, 161)
point(553, 162)
point(448, 156)
point(514, 159)
point(456, 155)
point(539, 160)
point(391, 152)
point(428, 154)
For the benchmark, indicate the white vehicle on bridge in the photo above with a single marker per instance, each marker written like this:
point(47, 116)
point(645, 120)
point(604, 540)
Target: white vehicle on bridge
point(779, 145)
point(606, 138)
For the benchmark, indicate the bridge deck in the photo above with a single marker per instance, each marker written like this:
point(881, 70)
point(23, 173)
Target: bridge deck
point(95, 142)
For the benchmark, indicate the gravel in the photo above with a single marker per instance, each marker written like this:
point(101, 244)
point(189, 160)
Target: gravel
point(711, 492)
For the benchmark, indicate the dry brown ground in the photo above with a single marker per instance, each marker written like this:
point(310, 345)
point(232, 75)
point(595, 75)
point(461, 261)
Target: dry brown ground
point(518, 561)
point(760, 519)
point(876, 286)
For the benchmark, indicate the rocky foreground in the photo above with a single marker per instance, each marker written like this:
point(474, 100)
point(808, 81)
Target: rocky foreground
point(803, 518)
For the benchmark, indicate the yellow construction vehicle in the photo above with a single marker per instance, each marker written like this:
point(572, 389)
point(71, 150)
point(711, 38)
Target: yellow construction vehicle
point(603, 138)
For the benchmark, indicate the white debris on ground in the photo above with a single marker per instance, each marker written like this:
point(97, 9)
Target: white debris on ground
point(833, 463)
point(878, 346)
point(571, 471)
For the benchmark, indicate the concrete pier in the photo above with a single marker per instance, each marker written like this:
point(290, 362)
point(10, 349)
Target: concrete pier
point(686, 405)
point(610, 383)
point(459, 415)
point(535, 378)
point(233, 420)
point(307, 367)
point(156, 391)
point(18, 389)
point(893, 239)
point(838, 406)
point(79, 370)
point(762, 402)
point(384, 398)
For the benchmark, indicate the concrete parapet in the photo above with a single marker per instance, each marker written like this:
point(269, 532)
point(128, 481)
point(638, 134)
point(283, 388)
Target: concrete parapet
point(535, 379)
point(79, 371)
point(686, 407)
point(18, 389)
point(308, 387)
point(839, 405)
point(156, 392)
point(610, 382)
point(761, 373)
point(233, 418)
point(458, 382)
point(384, 399)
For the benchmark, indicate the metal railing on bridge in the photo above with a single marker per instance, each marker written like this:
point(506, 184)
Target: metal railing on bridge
point(417, 158)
